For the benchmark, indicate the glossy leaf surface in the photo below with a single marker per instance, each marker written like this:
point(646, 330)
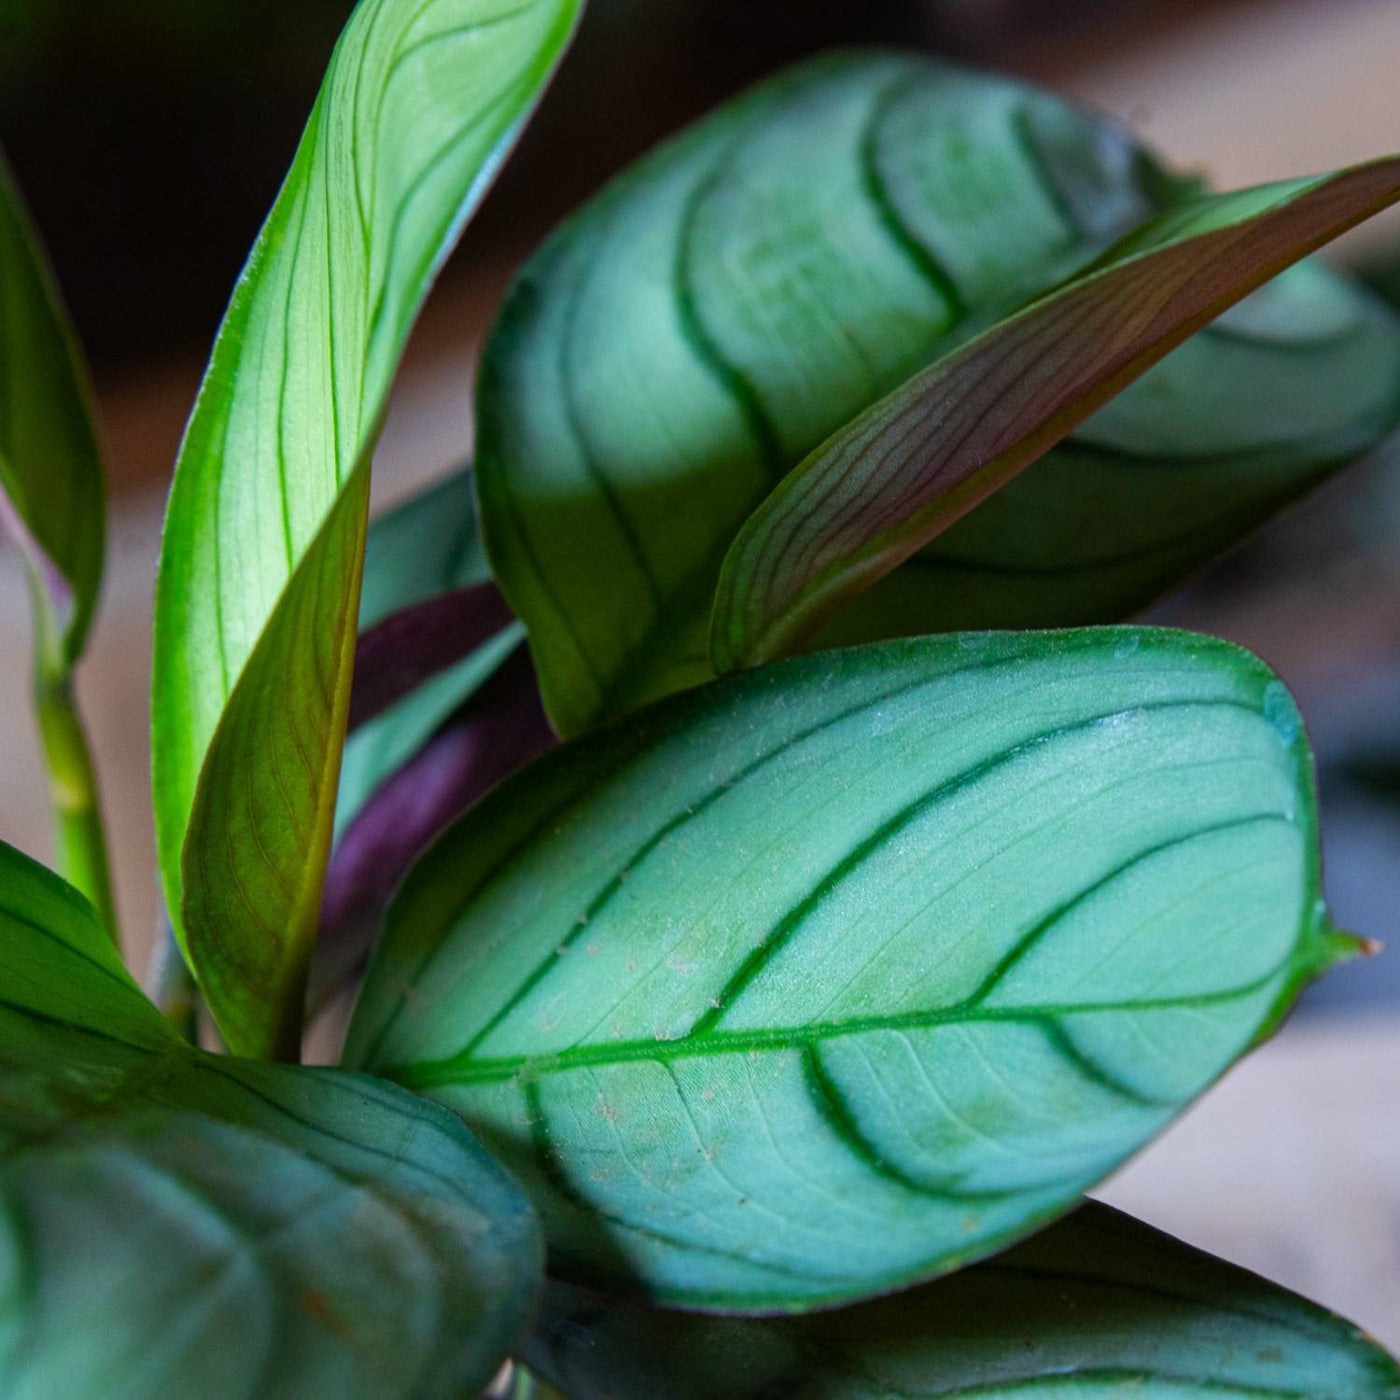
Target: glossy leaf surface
point(174, 1223)
point(841, 974)
point(260, 566)
point(908, 467)
point(1096, 1305)
point(730, 302)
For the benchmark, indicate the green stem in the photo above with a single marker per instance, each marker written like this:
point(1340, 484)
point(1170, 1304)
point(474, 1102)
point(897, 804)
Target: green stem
point(79, 840)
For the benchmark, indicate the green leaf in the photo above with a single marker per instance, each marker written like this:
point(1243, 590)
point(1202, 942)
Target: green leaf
point(1098, 1304)
point(422, 550)
point(425, 546)
point(732, 300)
point(843, 973)
point(909, 466)
point(52, 493)
point(260, 566)
point(1297, 381)
point(175, 1223)
point(52, 503)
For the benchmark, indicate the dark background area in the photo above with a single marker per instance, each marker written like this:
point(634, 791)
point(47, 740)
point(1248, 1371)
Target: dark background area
point(150, 137)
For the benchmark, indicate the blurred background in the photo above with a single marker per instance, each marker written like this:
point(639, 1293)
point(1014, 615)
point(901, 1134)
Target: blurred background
point(150, 137)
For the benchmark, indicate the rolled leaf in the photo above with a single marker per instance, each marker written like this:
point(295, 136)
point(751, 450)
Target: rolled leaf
point(500, 729)
point(260, 564)
point(395, 657)
point(52, 506)
point(1098, 1304)
point(740, 294)
point(903, 471)
point(180, 1224)
point(423, 547)
point(425, 554)
point(839, 975)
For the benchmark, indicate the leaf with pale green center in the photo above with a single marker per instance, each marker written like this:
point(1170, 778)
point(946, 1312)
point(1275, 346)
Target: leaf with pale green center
point(1096, 1305)
point(735, 298)
point(180, 1224)
point(846, 972)
point(260, 565)
point(912, 464)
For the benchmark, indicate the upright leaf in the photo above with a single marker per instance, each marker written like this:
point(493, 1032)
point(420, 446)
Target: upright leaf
point(909, 466)
point(260, 566)
point(731, 301)
point(1098, 1304)
point(179, 1224)
point(52, 505)
point(838, 975)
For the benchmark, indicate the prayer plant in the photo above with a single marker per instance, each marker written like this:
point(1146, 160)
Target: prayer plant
point(859, 928)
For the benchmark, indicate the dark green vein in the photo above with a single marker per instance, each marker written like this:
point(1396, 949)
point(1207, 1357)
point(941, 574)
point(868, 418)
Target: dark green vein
point(762, 953)
point(876, 190)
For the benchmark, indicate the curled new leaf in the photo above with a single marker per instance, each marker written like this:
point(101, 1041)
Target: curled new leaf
point(260, 563)
point(1098, 1304)
point(173, 1223)
point(838, 975)
point(908, 467)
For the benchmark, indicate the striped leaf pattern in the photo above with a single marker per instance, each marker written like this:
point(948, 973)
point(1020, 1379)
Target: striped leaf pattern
point(260, 564)
point(846, 972)
point(181, 1224)
point(900, 473)
point(735, 298)
point(1098, 1305)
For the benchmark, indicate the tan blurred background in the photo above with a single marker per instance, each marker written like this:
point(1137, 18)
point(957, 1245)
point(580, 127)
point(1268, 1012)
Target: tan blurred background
point(150, 136)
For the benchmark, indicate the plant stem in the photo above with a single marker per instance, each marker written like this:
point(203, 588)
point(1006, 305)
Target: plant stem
point(79, 840)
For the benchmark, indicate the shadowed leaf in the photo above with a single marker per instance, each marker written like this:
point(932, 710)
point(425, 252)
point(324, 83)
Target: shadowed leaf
point(908, 467)
point(179, 1224)
point(734, 298)
point(1098, 1304)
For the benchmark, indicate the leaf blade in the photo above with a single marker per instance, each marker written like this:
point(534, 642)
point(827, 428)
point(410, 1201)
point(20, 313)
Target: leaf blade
point(788, 941)
point(920, 459)
point(190, 1224)
point(730, 301)
point(419, 103)
point(1095, 1300)
point(51, 475)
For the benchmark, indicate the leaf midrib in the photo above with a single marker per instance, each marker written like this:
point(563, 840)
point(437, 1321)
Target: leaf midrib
point(471, 1069)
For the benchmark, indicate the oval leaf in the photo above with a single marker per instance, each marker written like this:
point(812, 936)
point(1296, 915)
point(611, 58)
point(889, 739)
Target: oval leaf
point(173, 1223)
point(1097, 1304)
point(839, 975)
point(260, 564)
point(731, 301)
point(904, 470)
